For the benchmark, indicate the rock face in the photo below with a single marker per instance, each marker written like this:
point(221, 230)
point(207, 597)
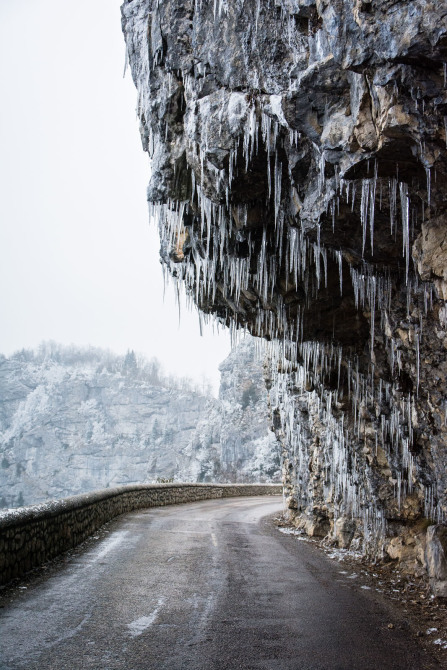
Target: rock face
point(436, 552)
point(75, 421)
point(298, 175)
point(246, 449)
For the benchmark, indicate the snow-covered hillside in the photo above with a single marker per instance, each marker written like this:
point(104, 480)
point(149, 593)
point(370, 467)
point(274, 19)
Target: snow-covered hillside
point(76, 420)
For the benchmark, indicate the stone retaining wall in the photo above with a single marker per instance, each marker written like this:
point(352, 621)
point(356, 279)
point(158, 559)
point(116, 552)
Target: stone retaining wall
point(29, 536)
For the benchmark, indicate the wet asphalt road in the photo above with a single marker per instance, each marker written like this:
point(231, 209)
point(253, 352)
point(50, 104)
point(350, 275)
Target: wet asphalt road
point(203, 586)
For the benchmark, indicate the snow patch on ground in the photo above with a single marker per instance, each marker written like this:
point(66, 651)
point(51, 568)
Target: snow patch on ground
point(299, 534)
point(342, 554)
point(138, 626)
point(442, 643)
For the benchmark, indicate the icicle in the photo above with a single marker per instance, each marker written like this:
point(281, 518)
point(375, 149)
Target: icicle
point(417, 363)
point(364, 206)
point(321, 175)
point(126, 61)
point(405, 210)
point(372, 302)
point(428, 174)
point(372, 204)
point(393, 203)
point(278, 178)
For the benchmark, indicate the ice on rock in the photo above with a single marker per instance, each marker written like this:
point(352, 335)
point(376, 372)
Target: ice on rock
point(237, 113)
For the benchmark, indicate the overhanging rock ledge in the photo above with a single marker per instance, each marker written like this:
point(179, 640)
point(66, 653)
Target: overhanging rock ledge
point(299, 180)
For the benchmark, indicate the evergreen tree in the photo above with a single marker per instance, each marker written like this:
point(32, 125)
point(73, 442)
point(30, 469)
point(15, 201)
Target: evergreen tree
point(130, 363)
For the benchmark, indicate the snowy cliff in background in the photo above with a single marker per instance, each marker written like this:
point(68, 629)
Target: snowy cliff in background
point(73, 421)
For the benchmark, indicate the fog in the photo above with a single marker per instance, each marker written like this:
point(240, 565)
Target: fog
point(78, 257)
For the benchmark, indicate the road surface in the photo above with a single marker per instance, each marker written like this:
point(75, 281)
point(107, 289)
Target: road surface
point(204, 586)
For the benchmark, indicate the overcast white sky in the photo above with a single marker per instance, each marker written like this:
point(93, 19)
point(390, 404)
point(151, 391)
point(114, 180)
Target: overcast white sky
point(78, 258)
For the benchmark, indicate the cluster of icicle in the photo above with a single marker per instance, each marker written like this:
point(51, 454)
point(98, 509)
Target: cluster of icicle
point(210, 267)
point(345, 472)
point(342, 474)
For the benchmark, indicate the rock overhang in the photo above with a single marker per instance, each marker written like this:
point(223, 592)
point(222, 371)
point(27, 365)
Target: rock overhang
point(299, 163)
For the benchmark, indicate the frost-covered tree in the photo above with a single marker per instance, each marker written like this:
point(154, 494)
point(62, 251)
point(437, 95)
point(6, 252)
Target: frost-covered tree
point(130, 363)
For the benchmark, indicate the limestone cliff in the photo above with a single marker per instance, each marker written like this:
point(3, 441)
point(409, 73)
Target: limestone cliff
point(74, 421)
point(298, 175)
point(245, 449)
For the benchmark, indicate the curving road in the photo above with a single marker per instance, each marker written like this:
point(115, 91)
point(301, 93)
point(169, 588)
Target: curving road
point(204, 586)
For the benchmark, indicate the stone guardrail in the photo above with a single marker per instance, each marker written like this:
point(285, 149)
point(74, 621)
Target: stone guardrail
point(30, 536)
